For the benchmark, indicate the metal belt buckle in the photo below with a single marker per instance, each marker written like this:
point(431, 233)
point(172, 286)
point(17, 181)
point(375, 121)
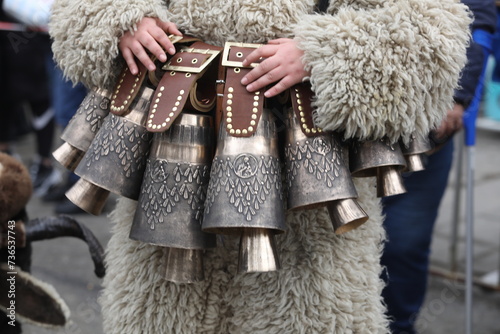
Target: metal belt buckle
point(232, 63)
point(175, 38)
point(195, 69)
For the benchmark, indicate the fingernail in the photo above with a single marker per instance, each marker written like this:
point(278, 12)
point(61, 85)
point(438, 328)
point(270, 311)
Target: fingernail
point(152, 67)
point(171, 51)
point(163, 58)
point(244, 81)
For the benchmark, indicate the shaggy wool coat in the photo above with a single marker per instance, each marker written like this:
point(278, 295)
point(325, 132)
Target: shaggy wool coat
point(378, 68)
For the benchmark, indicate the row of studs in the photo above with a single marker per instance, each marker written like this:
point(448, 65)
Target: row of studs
point(302, 115)
point(155, 107)
point(229, 113)
point(132, 91)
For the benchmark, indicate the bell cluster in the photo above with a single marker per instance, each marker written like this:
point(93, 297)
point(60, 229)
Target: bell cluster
point(202, 157)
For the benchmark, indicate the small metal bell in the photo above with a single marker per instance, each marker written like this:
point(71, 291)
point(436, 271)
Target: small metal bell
point(346, 215)
point(183, 265)
point(414, 152)
point(173, 191)
point(82, 128)
point(116, 159)
point(257, 251)
point(245, 190)
point(367, 158)
point(88, 196)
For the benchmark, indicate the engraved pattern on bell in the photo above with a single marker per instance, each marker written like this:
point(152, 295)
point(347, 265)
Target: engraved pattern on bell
point(245, 166)
point(87, 120)
point(166, 184)
point(124, 139)
point(247, 181)
point(94, 116)
point(319, 157)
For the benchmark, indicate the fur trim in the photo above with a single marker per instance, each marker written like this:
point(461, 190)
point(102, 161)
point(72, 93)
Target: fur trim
point(393, 81)
point(327, 283)
point(49, 300)
point(15, 187)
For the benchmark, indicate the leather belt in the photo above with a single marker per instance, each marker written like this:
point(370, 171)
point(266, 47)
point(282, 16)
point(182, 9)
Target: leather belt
point(239, 109)
point(178, 84)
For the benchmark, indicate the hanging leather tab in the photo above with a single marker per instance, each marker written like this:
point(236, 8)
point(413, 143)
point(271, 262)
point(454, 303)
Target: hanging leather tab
point(176, 85)
point(126, 89)
point(241, 109)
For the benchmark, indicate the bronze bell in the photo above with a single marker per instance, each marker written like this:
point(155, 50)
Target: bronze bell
point(414, 153)
point(245, 193)
point(183, 265)
point(382, 159)
point(116, 159)
point(171, 202)
point(346, 215)
point(257, 251)
point(82, 128)
point(317, 174)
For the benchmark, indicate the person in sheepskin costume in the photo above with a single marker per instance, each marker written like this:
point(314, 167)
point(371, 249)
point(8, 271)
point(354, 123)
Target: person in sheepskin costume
point(377, 67)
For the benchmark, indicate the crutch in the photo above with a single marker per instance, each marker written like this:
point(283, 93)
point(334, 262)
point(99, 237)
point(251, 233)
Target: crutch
point(484, 39)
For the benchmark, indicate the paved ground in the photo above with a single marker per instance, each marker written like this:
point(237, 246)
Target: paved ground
point(66, 263)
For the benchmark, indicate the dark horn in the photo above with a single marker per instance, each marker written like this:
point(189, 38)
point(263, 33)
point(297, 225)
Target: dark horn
point(65, 226)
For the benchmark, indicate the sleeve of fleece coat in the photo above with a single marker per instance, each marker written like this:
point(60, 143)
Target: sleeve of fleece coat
point(89, 55)
point(389, 70)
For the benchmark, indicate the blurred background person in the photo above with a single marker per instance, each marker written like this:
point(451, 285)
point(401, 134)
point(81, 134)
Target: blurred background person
point(63, 97)
point(410, 217)
point(25, 100)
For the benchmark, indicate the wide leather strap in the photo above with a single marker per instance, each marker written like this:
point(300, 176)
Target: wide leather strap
point(240, 109)
point(301, 96)
point(126, 89)
point(176, 85)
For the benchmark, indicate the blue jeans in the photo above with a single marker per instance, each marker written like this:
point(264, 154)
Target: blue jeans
point(409, 223)
point(66, 99)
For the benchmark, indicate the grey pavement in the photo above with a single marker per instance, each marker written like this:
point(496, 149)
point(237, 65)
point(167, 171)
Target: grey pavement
point(65, 262)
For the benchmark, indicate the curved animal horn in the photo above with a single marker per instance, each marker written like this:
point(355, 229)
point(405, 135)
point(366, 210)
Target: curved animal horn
point(65, 226)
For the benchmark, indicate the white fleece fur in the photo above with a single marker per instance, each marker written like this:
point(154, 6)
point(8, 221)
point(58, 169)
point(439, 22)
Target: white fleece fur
point(378, 67)
point(389, 70)
point(327, 284)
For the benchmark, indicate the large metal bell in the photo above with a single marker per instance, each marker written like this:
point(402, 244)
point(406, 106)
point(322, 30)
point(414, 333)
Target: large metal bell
point(414, 153)
point(170, 207)
point(116, 159)
point(245, 189)
point(316, 170)
point(381, 159)
point(82, 128)
point(317, 175)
